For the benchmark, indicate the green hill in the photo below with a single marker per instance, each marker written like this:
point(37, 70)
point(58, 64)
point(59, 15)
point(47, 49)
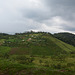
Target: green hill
point(37, 44)
point(33, 53)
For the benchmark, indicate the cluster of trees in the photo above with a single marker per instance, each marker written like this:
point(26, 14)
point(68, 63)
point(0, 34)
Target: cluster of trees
point(6, 36)
point(32, 32)
point(66, 37)
point(3, 36)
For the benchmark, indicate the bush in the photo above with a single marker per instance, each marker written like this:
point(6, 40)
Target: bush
point(6, 55)
point(58, 66)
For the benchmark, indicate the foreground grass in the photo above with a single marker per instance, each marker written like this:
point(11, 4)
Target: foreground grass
point(34, 65)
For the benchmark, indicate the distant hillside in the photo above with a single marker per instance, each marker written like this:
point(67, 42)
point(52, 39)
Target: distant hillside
point(39, 43)
point(3, 36)
point(66, 37)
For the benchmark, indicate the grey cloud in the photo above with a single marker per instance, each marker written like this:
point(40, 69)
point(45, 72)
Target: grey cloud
point(37, 14)
point(60, 2)
point(64, 8)
point(17, 16)
point(69, 28)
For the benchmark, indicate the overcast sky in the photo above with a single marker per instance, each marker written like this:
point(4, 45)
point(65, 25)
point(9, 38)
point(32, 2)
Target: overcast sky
point(38, 15)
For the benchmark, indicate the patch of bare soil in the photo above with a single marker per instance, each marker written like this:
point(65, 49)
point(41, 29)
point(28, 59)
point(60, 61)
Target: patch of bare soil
point(14, 50)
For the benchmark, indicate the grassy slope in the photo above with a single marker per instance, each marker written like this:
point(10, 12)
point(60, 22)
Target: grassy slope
point(19, 63)
point(47, 46)
point(66, 37)
point(62, 45)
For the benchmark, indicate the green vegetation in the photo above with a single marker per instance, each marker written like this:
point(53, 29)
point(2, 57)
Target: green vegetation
point(35, 53)
point(66, 37)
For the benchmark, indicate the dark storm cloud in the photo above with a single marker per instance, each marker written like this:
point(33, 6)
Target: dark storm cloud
point(60, 2)
point(69, 28)
point(64, 8)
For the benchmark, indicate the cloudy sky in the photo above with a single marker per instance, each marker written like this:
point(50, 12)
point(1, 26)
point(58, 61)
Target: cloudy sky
point(38, 15)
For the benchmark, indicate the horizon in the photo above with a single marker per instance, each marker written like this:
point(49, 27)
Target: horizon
point(13, 33)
